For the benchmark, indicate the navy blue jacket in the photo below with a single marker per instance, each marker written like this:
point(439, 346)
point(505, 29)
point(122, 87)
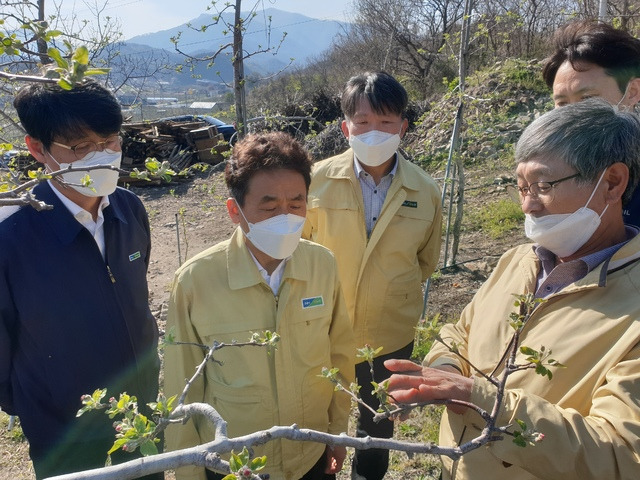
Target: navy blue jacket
point(631, 211)
point(72, 322)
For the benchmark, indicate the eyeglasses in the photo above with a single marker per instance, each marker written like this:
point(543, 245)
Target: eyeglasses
point(543, 191)
point(87, 150)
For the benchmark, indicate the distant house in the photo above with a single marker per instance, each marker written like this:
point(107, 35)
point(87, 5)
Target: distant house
point(159, 100)
point(203, 105)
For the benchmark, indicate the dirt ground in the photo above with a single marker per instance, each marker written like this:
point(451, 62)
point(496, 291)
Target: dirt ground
point(189, 216)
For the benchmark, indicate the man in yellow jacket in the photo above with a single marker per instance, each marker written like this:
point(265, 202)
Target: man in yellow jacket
point(264, 278)
point(575, 167)
point(380, 215)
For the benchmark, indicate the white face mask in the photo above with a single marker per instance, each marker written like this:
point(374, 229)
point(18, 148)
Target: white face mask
point(104, 181)
point(563, 234)
point(277, 236)
point(375, 147)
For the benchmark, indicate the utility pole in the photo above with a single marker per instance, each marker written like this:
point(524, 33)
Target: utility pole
point(602, 11)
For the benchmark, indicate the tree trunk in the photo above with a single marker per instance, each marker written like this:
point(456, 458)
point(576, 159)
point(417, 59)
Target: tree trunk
point(41, 42)
point(238, 73)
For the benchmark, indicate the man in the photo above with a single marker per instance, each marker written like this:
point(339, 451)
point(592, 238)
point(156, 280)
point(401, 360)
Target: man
point(74, 315)
point(593, 59)
point(264, 278)
point(381, 217)
point(575, 167)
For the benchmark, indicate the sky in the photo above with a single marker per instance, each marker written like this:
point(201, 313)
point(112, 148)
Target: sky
point(143, 16)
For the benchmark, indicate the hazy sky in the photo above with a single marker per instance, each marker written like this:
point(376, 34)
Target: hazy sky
point(144, 16)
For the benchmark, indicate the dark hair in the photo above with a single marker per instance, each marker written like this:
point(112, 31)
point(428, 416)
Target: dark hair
point(384, 93)
point(264, 151)
point(589, 136)
point(47, 112)
point(616, 51)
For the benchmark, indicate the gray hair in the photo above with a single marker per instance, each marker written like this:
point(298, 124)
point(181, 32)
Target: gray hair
point(589, 136)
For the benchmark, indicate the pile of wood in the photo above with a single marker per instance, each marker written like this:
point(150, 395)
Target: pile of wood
point(181, 143)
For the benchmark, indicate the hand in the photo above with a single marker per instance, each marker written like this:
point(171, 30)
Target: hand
point(416, 384)
point(335, 458)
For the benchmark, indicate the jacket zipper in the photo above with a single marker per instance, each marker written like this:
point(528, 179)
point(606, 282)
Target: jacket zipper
point(113, 279)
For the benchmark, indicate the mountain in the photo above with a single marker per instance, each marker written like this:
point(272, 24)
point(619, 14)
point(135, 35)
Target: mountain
point(305, 38)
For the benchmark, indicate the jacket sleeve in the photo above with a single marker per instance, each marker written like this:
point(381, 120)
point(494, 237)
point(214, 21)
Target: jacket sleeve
point(429, 252)
point(343, 351)
point(604, 443)
point(452, 334)
point(180, 364)
point(6, 316)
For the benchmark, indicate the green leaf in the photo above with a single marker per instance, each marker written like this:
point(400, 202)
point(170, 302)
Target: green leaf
point(235, 463)
point(65, 84)
point(520, 442)
point(528, 351)
point(117, 445)
point(140, 423)
point(231, 476)
point(258, 463)
point(148, 448)
point(54, 53)
point(51, 34)
point(97, 71)
point(81, 55)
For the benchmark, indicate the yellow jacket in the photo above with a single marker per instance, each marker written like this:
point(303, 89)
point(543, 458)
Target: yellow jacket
point(220, 295)
point(590, 411)
point(381, 276)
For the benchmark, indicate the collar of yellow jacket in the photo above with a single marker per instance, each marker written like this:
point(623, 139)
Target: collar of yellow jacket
point(626, 256)
point(342, 167)
point(243, 272)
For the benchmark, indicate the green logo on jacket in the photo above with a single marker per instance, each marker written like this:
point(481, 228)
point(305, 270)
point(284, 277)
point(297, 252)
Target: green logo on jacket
point(312, 302)
point(410, 204)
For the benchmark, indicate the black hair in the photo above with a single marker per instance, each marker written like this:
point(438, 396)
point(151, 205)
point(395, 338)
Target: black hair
point(48, 112)
point(588, 41)
point(384, 93)
point(264, 151)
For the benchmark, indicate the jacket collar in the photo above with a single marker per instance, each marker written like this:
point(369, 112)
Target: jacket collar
point(626, 255)
point(243, 272)
point(60, 219)
point(342, 167)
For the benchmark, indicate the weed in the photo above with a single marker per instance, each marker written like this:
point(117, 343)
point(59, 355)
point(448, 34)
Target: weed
point(497, 218)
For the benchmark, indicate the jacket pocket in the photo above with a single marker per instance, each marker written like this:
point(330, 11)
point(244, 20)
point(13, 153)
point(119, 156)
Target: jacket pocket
point(246, 410)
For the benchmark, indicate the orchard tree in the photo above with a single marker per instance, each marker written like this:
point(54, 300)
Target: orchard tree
point(230, 15)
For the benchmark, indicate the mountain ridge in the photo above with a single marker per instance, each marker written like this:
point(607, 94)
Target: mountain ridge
point(305, 38)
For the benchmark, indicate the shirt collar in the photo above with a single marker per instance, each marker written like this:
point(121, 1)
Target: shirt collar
point(548, 259)
point(242, 269)
point(359, 170)
point(77, 211)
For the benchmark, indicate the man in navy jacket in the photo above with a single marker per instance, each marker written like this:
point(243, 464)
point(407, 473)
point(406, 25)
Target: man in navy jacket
point(74, 312)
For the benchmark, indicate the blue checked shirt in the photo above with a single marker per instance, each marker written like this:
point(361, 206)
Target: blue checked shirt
point(373, 195)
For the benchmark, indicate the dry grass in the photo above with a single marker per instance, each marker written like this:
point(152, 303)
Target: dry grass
point(14, 452)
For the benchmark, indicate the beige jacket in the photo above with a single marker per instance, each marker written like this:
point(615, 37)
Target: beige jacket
point(381, 276)
point(590, 411)
point(220, 295)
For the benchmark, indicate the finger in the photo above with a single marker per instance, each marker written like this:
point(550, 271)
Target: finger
point(397, 365)
point(403, 382)
point(408, 395)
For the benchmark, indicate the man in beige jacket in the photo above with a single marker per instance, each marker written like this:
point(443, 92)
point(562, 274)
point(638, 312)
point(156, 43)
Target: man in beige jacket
point(575, 167)
point(263, 278)
point(380, 215)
